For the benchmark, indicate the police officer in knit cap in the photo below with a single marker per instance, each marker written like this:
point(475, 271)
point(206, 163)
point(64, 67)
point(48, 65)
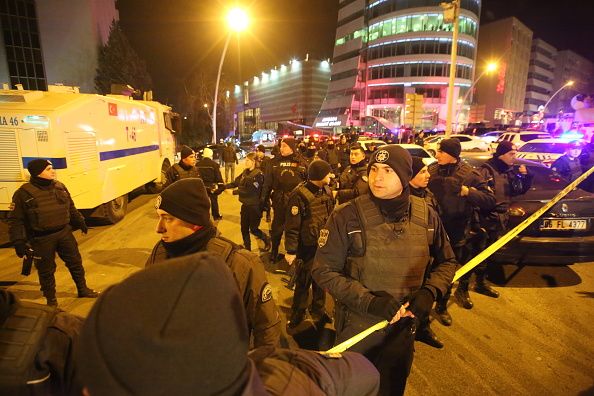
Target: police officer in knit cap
point(310, 205)
point(460, 191)
point(506, 181)
point(418, 187)
point(186, 167)
point(285, 172)
point(43, 217)
point(357, 250)
point(180, 329)
point(186, 228)
point(353, 179)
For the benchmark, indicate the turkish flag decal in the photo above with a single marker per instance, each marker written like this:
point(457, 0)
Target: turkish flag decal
point(113, 109)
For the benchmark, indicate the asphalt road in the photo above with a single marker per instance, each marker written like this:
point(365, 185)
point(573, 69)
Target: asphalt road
point(536, 339)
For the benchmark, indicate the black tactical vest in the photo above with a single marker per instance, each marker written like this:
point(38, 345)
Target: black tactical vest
point(220, 246)
point(446, 189)
point(390, 257)
point(287, 174)
point(316, 214)
point(21, 336)
point(185, 174)
point(354, 178)
point(249, 188)
point(47, 209)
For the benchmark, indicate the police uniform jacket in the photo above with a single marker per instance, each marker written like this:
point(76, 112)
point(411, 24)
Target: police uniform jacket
point(282, 175)
point(179, 171)
point(568, 169)
point(457, 211)
point(248, 271)
point(352, 183)
point(41, 210)
point(304, 221)
point(210, 173)
point(249, 186)
point(332, 264)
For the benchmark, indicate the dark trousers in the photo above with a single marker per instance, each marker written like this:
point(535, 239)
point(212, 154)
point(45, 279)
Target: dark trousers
point(65, 245)
point(214, 205)
point(463, 253)
point(250, 222)
point(278, 224)
point(390, 350)
point(303, 281)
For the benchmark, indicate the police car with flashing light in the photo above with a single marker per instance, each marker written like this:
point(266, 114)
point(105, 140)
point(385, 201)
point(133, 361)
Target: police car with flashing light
point(544, 151)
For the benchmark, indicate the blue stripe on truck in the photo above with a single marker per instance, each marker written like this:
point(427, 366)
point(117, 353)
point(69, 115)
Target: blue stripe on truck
point(57, 163)
point(107, 155)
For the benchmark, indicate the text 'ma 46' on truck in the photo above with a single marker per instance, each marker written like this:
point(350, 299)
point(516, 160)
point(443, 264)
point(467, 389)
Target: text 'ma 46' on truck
point(102, 147)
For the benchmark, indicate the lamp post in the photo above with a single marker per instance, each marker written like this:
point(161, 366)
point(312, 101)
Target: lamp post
point(451, 11)
point(237, 21)
point(567, 84)
point(491, 66)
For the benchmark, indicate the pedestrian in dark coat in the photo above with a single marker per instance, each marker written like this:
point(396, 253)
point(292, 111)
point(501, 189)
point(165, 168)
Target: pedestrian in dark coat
point(41, 221)
point(179, 328)
point(210, 173)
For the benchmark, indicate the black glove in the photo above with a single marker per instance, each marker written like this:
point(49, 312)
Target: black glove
point(421, 302)
point(383, 305)
point(20, 247)
point(83, 227)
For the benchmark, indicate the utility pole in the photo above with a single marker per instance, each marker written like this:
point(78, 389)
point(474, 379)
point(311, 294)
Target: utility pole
point(451, 11)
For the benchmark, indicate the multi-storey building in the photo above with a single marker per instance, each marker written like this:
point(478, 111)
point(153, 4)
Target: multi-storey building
point(52, 42)
point(292, 92)
point(386, 49)
point(570, 66)
point(507, 41)
point(541, 69)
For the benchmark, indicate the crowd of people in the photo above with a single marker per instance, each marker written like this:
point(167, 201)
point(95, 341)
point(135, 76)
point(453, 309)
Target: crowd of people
point(201, 317)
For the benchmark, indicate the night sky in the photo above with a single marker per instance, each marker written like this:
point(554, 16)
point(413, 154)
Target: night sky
point(179, 37)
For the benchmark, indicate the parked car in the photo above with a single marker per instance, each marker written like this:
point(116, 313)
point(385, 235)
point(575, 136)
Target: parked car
point(413, 149)
point(491, 137)
point(520, 138)
point(544, 151)
point(564, 234)
point(468, 143)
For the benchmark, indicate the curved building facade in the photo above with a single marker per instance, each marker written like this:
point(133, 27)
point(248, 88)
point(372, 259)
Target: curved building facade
point(386, 49)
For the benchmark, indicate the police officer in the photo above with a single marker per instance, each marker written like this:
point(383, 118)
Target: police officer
point(355, 262)
point(569, 166)
point(353, 180)
point(186, 167)
point(210, 172)
point(506, 181)
point(460, 191)
point(418, 188)
point(185, 228)
point(281, 177)
point(43, 215)
point(310, 205)
point(262, 163)
point(249, 188)
point(42, 339)
point(343, 152)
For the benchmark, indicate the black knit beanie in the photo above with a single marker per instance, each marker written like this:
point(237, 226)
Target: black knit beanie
point(504, 147)
point(318, 169)
point(451, 146)
point(37, 166)
point(396, 158)
point(186, 152)
point(177, 328)
point(187, 200)
point(291, 143)
point(417, 165)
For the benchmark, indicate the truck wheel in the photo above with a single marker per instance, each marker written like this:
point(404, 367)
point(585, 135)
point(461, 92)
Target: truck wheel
point(115, 210)
point(154, 187)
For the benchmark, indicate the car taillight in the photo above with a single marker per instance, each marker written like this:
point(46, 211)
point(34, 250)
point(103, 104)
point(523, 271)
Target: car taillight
point(516, 211)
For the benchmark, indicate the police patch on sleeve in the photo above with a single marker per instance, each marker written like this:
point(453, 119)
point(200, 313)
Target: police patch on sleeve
point(266, 293)
point(158, 202)
point(324, 233)
point(294, 210)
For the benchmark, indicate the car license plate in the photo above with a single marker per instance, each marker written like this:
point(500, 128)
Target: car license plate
point(564, 224)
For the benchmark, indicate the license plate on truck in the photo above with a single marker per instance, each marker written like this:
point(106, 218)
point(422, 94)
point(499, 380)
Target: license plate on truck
point(564, 224)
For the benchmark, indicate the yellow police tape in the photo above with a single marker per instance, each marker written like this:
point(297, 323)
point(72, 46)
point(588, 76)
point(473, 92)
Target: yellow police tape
point(479, 258)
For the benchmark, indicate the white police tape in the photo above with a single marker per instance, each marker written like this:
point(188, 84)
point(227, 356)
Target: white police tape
point(479, 258)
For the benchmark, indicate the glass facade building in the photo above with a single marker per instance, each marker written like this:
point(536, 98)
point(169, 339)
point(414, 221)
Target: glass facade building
point(386, 49)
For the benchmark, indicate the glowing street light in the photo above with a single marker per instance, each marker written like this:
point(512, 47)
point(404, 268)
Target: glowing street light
point(237, 21)
point(491, 67)
point(567, 84)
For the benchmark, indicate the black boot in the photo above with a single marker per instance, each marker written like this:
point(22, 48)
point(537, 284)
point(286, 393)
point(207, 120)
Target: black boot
point(481, 287)
point(295, 319)
point(87, 293)
point(463, 296)
point(52, 302)
point(443, 315)
point(320, 317)
point(427, 336)
point(267, 243)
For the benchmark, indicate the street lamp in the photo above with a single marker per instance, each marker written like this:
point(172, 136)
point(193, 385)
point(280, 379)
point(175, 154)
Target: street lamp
point(567, 84)
point(237, 21)
point(491, 66)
